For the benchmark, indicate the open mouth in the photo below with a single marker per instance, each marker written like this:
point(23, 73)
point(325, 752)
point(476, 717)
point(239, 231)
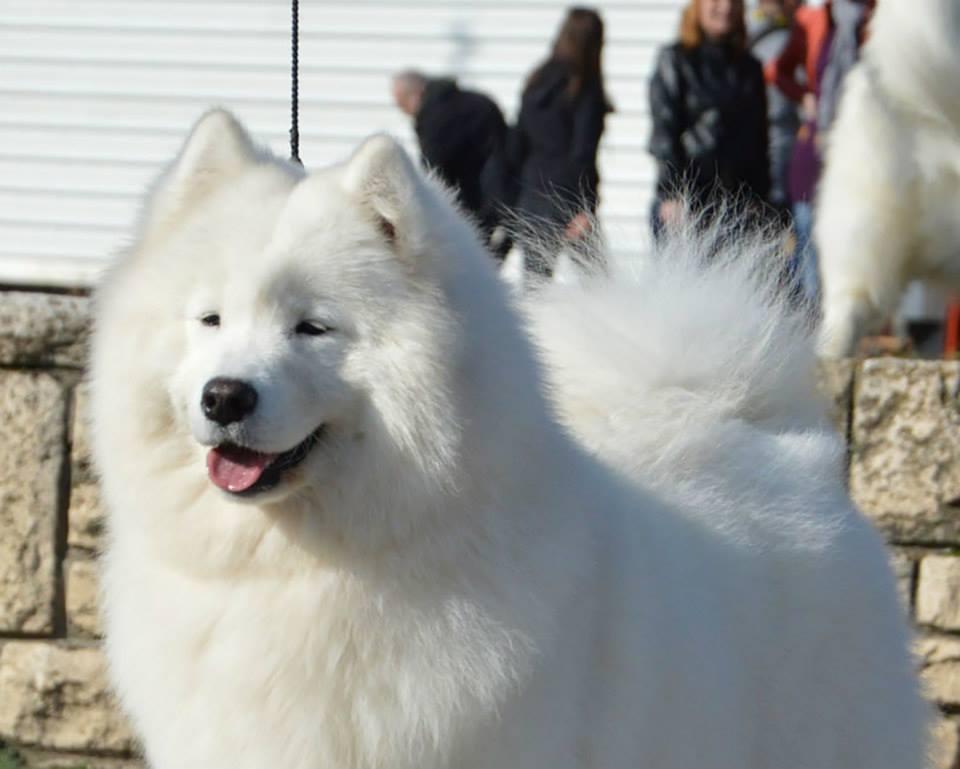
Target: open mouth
point(245, 472)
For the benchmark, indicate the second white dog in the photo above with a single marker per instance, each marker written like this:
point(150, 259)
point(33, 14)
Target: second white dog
point(888, 208)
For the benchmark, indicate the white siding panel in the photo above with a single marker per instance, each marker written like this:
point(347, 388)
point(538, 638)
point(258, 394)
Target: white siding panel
point(96, 96)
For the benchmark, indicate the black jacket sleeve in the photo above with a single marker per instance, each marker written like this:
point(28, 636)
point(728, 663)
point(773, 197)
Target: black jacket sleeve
point(759, 166)
point(588, 121)
point(666, 115)
point(517, 146)
point(496, 177)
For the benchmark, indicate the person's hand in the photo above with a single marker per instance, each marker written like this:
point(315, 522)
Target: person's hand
point(578, 227)
point(670, 212)
point(809, 106)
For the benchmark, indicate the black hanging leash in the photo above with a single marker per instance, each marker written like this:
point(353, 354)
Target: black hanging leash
point(295, 85)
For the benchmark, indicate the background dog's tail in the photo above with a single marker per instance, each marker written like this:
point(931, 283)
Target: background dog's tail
point(700, 333)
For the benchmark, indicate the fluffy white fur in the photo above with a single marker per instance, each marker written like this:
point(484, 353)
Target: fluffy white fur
point(888, 208)
point(647, 561)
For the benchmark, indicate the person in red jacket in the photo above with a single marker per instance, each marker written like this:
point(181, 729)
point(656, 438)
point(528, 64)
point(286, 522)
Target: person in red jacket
point(822, 48)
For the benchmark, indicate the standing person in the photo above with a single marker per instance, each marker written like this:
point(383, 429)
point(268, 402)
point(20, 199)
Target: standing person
point(709, 111)
point(769, 31)
point(462, 137)
point(823, 46)
point(554, 145)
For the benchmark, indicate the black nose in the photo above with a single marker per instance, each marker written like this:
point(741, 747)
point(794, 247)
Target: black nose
point(226, 401)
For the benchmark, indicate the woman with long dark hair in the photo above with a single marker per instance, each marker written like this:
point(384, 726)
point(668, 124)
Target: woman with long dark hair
point(554, 144)
point(709, 112)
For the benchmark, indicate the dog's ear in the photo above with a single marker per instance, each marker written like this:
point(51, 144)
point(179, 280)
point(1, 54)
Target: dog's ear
point(217, 148)
point(381, 176)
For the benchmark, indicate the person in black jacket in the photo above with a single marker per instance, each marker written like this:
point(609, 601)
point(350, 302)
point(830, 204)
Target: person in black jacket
point(709, 112)
point(553, 148)
point(462, 136)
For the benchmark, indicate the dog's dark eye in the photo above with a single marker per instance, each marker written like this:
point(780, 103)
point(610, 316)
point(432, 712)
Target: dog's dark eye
point(210, 319)
point(310, 328)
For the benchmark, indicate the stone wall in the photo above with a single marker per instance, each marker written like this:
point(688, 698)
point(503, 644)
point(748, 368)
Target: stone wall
point(54, 701)
point(901, 419)
point(904, 473)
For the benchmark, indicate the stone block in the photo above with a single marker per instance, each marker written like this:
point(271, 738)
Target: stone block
point(86, 515)
point(82, 593)
point(42, 759)
point(80, 435)
point(938, 592)
point(32, 453)
point(939, 658)
point(56, 697)
point(904, 569)
point(905, 448)
point(38, 329)
point(945, 744)
point(835, 378)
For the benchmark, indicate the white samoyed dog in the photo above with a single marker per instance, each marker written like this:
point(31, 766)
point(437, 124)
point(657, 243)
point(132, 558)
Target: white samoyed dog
point(888, 208)
point(352, 522)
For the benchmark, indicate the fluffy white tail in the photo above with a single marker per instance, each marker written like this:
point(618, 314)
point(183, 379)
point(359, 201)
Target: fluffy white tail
point(702, 333)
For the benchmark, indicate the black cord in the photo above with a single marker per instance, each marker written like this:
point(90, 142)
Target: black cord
point(295, 84)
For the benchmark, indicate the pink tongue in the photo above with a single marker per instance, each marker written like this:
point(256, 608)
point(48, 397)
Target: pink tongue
point(235, 469)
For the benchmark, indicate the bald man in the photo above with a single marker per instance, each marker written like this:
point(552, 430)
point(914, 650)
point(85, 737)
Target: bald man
point(461, 135)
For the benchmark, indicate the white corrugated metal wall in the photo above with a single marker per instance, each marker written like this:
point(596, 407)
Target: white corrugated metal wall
point(96, 95)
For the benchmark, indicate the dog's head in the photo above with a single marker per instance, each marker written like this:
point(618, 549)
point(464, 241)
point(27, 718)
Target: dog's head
point(277, 338)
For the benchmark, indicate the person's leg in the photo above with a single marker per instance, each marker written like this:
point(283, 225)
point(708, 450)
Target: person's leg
point(540, 241)
point(656, 223)
point(536, 233)
point(810, 274)
point(803, 267)
point(499, 244)
point(538, 263)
